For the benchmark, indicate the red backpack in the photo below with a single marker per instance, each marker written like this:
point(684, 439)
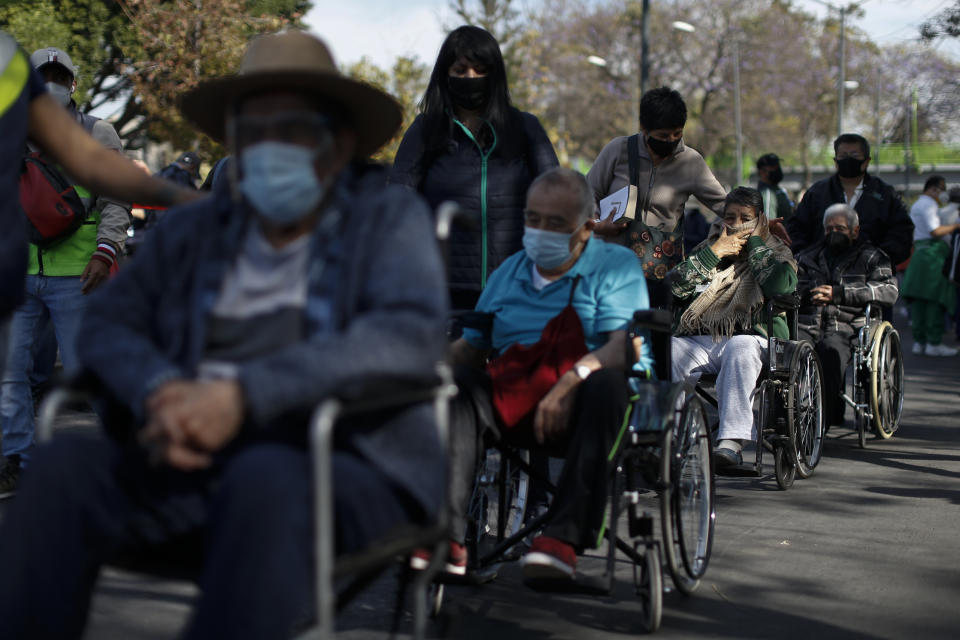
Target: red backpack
point(54, 208)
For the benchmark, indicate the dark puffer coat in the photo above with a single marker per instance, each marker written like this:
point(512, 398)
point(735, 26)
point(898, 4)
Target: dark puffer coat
point(495, 195)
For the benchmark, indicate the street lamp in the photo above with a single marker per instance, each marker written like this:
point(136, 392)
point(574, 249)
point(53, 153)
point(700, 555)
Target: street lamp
point(841, 82)
point(640, 86)
point(736, 109)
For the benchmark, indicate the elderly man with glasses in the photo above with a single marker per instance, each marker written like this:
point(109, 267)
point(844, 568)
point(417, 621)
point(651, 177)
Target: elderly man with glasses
point(568, 297)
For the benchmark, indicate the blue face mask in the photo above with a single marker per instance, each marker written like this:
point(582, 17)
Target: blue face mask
point(547, 249)
point(59, 93)
point(280, 182)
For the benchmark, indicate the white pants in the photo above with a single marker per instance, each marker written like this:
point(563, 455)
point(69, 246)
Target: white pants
point(738, 361)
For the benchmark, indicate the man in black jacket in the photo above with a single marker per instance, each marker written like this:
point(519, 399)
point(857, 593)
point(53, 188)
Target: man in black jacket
point(838, 276)
point(884, 220)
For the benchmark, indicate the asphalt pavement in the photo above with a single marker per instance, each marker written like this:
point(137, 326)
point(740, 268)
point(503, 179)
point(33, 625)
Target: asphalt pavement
point(865, 548)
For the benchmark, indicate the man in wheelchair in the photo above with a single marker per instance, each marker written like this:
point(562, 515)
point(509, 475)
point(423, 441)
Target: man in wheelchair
point(300, 278)
point(559, 312)
point(838, 276)
point(719, 293)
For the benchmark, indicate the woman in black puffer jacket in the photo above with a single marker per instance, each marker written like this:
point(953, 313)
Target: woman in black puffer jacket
point(470, 145)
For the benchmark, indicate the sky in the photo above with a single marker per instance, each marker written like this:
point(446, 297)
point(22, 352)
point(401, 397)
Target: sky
point(382, 30)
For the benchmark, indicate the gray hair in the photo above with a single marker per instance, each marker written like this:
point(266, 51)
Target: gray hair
point(845, 210)
point(561, 177)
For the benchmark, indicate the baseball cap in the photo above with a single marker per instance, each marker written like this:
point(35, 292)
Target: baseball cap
point(52, 55)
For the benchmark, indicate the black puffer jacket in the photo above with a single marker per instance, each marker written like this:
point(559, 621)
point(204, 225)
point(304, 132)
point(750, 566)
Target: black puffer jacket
point(458, 175)
point(860, 275)
point(884, 221)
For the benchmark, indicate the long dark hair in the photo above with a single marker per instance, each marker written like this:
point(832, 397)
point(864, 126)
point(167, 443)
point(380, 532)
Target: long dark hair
point(478, 47)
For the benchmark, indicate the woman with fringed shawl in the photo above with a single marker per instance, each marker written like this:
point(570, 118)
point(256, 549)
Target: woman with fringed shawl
point(719, 293)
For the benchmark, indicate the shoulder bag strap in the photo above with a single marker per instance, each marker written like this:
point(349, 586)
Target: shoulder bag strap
point(573, 288)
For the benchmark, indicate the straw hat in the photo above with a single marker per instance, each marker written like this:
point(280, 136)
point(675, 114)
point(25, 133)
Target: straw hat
point(297, 61)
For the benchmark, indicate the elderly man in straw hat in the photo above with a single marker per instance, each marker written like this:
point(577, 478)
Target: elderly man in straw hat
point(302, 274)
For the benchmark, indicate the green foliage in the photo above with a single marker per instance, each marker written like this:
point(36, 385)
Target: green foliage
point(406, 81)
point(145, 53)
point(94, 34)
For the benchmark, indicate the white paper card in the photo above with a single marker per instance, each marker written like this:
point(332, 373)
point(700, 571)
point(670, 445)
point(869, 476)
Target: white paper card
point(619, 202)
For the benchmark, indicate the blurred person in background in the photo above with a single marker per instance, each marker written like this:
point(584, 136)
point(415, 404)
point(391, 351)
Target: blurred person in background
point(776, 202)
point(185, 170)
point(924, 287)
point(47, 116)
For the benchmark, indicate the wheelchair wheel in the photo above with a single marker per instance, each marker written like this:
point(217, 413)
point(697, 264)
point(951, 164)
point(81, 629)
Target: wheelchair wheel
point(498, 483)
point(687, 510)
point(648, 582)
point(886, 380)
point(805, 408)
point(784, 468)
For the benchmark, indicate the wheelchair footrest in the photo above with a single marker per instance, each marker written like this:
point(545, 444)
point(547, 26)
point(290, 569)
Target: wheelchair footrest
point(582, 584)
point(639, 524)
point(473, 577)
point(739, 471)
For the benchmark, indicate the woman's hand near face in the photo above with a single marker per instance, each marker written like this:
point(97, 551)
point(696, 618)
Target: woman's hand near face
point(729, 244)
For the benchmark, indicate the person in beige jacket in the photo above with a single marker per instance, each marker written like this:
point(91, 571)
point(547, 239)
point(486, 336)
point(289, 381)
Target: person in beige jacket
point(669, 172)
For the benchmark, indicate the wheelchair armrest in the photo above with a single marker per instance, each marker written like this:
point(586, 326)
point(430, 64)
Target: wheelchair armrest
point(652, 320)
point(659, 323)
point(477, 320)
point(786, 302)
point(370, 396)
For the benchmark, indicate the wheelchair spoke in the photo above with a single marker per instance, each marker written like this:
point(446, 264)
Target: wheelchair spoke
point(806, 408)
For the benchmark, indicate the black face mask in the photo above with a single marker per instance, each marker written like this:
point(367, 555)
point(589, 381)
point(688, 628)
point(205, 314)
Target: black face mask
point(775, 176)
point(838, 242)
point(849, 168)
point(469, 93)
point(663, 148)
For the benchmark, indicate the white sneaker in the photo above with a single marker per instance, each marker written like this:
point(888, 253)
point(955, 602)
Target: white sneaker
point(918, 348)
point(939, 350)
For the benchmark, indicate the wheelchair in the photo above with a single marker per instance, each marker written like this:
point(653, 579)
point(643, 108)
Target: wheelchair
point(790, 389)
point(339, 578)
point(877, 380)
point(664, 453)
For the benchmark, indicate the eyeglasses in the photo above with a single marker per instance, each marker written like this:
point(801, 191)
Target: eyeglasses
point(855, 156)
point(295, 127)
point(548, 221)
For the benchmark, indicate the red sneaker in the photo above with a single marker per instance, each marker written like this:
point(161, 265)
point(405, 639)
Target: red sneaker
point(549, 559)
point(456, 559)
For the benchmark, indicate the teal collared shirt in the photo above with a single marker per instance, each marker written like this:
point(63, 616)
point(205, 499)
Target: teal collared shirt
point(610, 289)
